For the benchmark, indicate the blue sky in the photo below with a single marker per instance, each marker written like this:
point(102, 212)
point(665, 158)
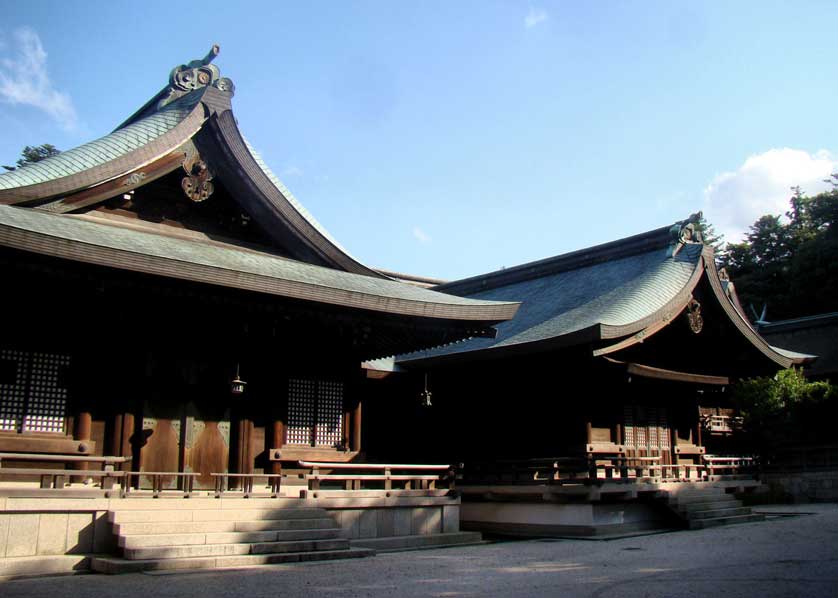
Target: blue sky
point(449, 139)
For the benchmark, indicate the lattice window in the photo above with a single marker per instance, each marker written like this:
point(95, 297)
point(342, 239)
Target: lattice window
point(33, 393)
point(646, 427)
point(302, 406)
point(328, 431)
point(315, 412)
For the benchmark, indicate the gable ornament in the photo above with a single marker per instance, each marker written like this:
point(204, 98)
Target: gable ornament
point(195, 75)
point(197, 184)
point(694, 316)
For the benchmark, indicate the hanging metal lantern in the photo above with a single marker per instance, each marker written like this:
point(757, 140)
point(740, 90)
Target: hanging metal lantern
point(237, 384)
point(425, 395)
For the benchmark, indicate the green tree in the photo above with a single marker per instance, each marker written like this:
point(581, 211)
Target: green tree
point(791, 266)
point(710, 236)
point(30, 155)
point(785, 408)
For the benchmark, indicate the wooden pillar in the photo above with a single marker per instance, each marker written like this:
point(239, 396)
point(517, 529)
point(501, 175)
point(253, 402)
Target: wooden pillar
point(83, 433)
point(618, 434)
point(245, 446)
point(355, 436)
point(118, 429)
point(697, 439)
point(589, 437)
point(277, 442)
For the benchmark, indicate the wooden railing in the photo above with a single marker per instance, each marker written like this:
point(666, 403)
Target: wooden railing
point(55, 478)
point(377, 476)
point(612, 464)
point(716, 465)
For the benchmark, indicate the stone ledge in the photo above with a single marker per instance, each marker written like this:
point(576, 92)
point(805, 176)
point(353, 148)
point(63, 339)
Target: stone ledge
point(31, 566)
point(419, 542)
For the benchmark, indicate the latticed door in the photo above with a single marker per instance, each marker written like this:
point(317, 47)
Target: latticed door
point(646, 431)
point(315, 412)
point(33, 391)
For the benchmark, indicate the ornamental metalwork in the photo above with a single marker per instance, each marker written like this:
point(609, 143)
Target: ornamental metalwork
point(694, 316)
point(135, 179)
point(686, 232)
point(197, 184)
point(195, 75)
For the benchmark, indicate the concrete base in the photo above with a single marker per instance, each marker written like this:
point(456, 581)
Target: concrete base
point(419, 542)
point(556, 519)
point(57, 525)
point(36, 566)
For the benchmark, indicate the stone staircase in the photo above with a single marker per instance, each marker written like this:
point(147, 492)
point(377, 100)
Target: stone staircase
point(700, 508)
point(161, 539)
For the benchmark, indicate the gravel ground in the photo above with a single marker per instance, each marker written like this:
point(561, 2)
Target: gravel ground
point(794, 553)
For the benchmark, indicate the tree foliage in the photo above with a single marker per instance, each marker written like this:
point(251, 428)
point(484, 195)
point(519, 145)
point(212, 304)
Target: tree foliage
point(30, 155)
point(790, 264)
point(786, 408)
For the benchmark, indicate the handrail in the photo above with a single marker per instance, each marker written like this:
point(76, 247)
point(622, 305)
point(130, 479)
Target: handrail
point(355, 481)
point(342, 465)
point(104, 459)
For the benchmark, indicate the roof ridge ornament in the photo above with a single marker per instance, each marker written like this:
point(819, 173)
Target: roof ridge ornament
point(195, 75)
point(686, 232)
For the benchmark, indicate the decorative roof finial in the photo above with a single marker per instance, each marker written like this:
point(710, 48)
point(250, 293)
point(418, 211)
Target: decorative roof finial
point(198, 73)
point(686, 232)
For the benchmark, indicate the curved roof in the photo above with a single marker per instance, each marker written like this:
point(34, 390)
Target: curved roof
point(607, 299)
point(231, 266)
point(108, 149)
point(627, 289)
point(75, 178)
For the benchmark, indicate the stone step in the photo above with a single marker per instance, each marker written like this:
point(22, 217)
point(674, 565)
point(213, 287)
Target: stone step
point(238, 549)
point(685, 510)
point(701, 498)
point(717, 521)
point(691, 492)
point(194, 527)
point(714, 513)
point(113, 565)
point(418, 542)
point(250, 514)
point(144, 541)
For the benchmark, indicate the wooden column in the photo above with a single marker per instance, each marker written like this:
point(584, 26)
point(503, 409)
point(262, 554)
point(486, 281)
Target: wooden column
point(697, 439)
point(355, 436)
point(277, 442)
point(83, 433)
point(589, 437)
point(245, 446)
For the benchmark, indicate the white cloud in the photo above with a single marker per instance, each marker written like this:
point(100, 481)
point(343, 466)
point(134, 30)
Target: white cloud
point(421, 235)
point(24, 79)
point(733, 201)
point(534, 17)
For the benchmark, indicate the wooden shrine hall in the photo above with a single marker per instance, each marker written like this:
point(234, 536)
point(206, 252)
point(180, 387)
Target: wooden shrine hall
point(610, 380)
point(177, 321)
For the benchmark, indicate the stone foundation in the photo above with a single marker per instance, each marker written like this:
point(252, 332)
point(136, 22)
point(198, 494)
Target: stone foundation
point(554, 519)
point(804, 486)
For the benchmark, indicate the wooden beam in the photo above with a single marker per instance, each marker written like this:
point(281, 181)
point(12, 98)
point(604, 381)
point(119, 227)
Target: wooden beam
point(646, 371)
point(132, 180)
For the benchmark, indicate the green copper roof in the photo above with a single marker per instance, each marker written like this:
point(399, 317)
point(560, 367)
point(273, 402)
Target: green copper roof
point(618, 292)
point(103, 150)
point(226, 262)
